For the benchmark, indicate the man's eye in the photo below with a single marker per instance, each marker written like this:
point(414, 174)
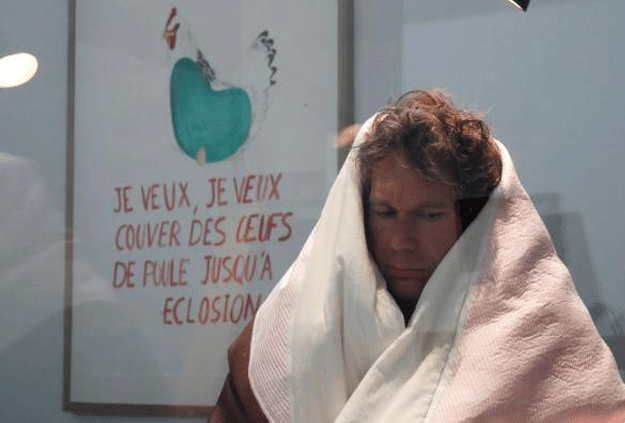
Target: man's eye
point(384, 213)
point(433, 216)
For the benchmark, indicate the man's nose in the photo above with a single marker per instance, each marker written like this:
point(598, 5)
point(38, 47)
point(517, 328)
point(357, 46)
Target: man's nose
point(404, 235)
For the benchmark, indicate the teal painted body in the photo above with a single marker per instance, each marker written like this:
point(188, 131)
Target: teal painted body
point(218, 121)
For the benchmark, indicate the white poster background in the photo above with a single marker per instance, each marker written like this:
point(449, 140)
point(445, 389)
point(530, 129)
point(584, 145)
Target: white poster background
point(122, 348)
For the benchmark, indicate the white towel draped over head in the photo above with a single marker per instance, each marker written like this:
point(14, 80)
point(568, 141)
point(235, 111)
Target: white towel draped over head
point(498, 334)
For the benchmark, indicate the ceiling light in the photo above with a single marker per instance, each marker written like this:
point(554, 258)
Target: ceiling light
point(521, 4)
point(16, 66)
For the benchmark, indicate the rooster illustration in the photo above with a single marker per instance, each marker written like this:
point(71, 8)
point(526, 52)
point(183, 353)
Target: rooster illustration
point(213, 117)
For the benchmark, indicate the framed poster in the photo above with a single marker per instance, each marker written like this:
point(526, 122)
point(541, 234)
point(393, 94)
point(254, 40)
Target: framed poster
point(199, 156)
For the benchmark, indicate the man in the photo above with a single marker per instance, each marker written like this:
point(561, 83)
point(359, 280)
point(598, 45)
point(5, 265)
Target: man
point(429, 291)
point(426, 170)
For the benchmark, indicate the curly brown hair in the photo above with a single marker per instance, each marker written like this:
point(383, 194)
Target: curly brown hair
point(439, 141)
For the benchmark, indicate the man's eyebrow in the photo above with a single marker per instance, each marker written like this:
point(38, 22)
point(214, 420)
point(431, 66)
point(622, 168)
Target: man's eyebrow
point(424, 205)
point(378, 202)
point(434, 204)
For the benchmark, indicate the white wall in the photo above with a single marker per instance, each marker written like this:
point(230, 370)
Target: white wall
point(550, 79)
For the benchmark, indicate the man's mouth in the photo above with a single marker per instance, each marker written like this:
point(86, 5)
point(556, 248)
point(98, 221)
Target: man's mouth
point(406, 272)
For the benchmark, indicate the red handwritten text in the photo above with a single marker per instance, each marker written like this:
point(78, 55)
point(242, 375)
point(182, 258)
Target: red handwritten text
point(217, 191)
point(260, 227)
point(207, 232)
point(257, 188)
point(240, 268)
point(165, 195)
point(123, 273)
point(227, 309)
point(137, 236)
point(123, 199)
point(165, 273)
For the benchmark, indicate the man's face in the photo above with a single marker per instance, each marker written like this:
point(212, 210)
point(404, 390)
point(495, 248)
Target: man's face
point(412, 223)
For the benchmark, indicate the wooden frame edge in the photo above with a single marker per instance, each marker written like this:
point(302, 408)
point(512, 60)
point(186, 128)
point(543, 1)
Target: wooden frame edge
point(139, 410)
point(346, 86)
point(69, 206)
